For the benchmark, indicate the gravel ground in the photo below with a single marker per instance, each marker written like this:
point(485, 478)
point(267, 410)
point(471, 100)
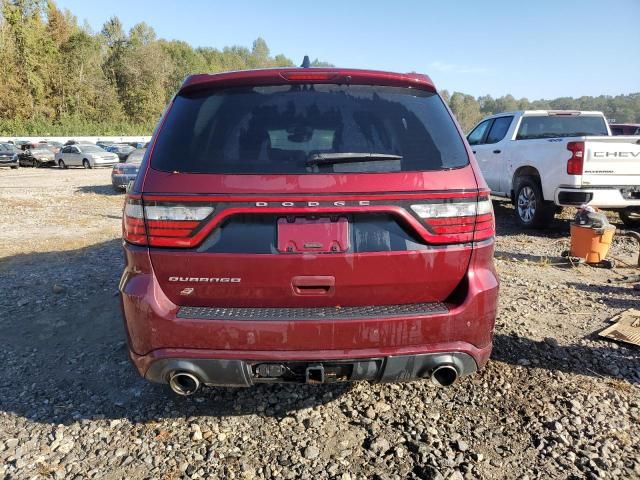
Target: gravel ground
point(554, 402)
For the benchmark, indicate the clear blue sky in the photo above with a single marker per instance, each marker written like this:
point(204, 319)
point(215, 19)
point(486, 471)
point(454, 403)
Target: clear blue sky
point(534, 49)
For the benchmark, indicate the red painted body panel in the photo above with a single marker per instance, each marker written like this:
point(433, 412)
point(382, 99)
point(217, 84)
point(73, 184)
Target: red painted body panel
point(152, 325)
point(390, 277)
point(280, 76)
point(158, 182)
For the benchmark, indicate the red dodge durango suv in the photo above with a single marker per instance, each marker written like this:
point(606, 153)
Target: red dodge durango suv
point(308, 225)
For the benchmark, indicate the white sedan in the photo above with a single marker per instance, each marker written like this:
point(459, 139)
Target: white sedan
point(87, 156)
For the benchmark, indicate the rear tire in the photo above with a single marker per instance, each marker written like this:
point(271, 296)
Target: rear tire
point(15, 167)
point(630, 217)
point(530, 208)
point(86, 163)
point(61, 164)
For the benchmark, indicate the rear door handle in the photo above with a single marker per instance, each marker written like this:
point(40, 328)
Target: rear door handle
point(497, 151)
point(313, 285)
point(473, 151)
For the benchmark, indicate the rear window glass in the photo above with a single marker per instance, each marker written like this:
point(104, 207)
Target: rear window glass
point(136, 156)
point(297, 129)
point(560, 126)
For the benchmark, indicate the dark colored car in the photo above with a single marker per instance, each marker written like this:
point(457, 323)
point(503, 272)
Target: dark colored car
point(121, 149)
point(625, 129)
point(308, 225)
point(125, 173)
point(9, 155)
point(37, 155)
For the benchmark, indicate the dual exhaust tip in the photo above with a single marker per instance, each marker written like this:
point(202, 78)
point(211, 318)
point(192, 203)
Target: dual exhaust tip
point(444, 376)
point(185, 383)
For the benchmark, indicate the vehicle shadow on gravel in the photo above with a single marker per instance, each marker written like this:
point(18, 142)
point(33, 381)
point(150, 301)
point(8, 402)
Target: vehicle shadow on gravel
point(100, 190)
point(64, 354)
point(614, 361)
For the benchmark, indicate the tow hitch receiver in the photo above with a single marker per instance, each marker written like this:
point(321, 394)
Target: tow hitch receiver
point(314, 374)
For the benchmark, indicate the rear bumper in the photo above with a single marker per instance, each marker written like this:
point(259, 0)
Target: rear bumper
point(122, 180)
point(105, 163)
point(161, 340)
point(224, 369)
point(603, 197)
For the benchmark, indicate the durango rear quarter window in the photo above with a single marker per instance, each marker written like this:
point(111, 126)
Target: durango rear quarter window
point(306, 129)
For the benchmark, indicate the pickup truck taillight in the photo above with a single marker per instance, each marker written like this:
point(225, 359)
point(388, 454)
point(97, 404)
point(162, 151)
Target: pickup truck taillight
point(461, 220)
point(162, 224)
point(576, 162)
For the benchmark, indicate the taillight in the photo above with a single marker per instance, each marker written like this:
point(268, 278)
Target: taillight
point(576, 163)
point(458, 220)
point(310, 76)
point(163, 224)
point(133, 229)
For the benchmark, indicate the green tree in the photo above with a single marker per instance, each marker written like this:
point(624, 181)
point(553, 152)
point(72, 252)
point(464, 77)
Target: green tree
point(466, 109)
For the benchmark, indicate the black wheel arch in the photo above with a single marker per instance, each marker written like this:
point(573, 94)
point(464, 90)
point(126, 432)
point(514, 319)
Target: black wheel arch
point(524, 171)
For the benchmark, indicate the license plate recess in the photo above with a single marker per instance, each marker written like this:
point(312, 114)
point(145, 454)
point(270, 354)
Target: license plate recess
point(318, 235)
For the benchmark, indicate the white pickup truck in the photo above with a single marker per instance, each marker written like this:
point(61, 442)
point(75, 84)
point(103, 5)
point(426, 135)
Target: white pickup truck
point(543, 160)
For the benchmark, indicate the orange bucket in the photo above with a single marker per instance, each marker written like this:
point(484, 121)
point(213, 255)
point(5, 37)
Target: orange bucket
point(592, 244)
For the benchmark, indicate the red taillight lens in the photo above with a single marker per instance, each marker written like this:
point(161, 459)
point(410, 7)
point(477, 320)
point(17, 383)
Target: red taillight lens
point(133, 228)
point(308, 76)
point(163, 224)
point(576, 163)
point(458, 220)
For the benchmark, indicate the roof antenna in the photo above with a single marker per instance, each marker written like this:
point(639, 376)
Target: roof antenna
point(306, 63)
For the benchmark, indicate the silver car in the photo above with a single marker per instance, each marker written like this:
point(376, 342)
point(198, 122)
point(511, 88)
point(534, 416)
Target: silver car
point(83, 155)
point(126, 172)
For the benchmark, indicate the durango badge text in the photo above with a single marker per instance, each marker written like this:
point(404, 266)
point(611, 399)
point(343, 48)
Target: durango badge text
point(206, 279)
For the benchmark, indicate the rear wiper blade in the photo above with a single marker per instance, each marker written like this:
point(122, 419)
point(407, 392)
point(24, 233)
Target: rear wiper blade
point(348, 157)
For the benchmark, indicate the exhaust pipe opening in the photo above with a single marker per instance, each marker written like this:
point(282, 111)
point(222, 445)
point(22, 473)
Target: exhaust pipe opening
point(444, 376)
point(184, 383)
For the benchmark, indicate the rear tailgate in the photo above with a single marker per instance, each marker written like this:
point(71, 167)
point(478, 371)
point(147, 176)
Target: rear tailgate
point(392, 256)
point(612, 161)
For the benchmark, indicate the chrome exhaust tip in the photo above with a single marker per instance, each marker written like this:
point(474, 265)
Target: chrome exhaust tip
point(444, 376)
point(184, 383)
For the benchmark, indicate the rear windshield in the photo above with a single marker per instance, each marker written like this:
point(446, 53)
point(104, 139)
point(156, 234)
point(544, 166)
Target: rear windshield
point(561, 126)
point(7, 147)
point(136, 156)
point(309, 129)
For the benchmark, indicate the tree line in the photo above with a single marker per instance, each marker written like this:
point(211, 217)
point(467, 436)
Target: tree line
point(469, 110)
point(62, 78)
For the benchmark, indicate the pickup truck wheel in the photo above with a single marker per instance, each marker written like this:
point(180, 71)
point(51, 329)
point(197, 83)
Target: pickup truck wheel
point(630, 217)
point(61, 164)
point(86, 164)
point(531, 209)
